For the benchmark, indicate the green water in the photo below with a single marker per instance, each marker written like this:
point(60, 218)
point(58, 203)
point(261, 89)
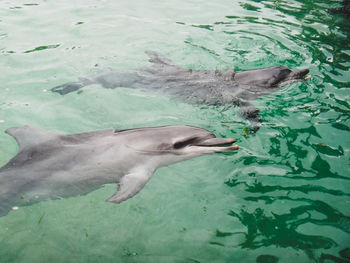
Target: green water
point(283, 197)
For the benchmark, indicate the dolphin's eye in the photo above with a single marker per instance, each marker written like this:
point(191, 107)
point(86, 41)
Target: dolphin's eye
point(182, 144)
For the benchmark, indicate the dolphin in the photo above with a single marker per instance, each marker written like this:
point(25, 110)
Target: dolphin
point(210, 87)
point(51, 164)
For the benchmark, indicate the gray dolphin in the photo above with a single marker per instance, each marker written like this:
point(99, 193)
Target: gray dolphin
point(53, 165)
point(211, 87)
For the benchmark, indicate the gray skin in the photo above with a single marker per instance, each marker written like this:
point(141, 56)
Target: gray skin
point(53, 165)
point(210, 87)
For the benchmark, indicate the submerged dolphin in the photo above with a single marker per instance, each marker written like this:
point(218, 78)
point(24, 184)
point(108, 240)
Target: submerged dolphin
point(52, 165)
point(211, 87)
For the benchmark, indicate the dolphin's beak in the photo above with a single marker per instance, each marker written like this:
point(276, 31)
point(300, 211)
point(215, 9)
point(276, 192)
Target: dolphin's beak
point(295, 76)
point(301, 75)
point(218, 144)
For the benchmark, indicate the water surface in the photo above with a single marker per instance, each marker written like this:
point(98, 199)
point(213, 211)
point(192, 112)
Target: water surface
point(283, 197)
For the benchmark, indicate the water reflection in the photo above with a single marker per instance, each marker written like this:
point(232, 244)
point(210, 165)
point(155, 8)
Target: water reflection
point(282, 230)
point(303, 214)
point(258, 187)
point(306, 137)
point(312, 156)
point(294, 146)
point(278, 230)
point(343, 258)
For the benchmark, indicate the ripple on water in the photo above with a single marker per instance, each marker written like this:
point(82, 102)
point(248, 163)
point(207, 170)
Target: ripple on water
point(284, 197)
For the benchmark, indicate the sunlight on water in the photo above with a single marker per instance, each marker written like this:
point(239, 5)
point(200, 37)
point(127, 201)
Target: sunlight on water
point(283, 197)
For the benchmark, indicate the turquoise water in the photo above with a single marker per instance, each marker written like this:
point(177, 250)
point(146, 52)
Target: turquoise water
point(283, 197)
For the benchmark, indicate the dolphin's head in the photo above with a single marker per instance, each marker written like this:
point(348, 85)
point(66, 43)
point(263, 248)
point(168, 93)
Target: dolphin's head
point(189, 140)
point(180, 141)
point(292, 76)
point(271, 77)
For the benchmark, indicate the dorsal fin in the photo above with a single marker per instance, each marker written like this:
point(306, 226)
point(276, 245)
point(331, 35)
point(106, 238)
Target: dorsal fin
point(28, 135)
point(159, 59)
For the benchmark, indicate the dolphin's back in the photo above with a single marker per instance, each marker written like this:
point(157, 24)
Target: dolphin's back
point(43, 155)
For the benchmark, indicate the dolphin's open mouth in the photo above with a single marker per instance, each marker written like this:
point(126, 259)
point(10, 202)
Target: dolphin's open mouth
point(217, 144)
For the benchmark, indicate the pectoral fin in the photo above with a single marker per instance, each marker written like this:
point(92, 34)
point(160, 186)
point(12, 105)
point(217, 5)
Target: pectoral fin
point(72, 86)
point(130, 185)
point(159, 59)
point(251, 113)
